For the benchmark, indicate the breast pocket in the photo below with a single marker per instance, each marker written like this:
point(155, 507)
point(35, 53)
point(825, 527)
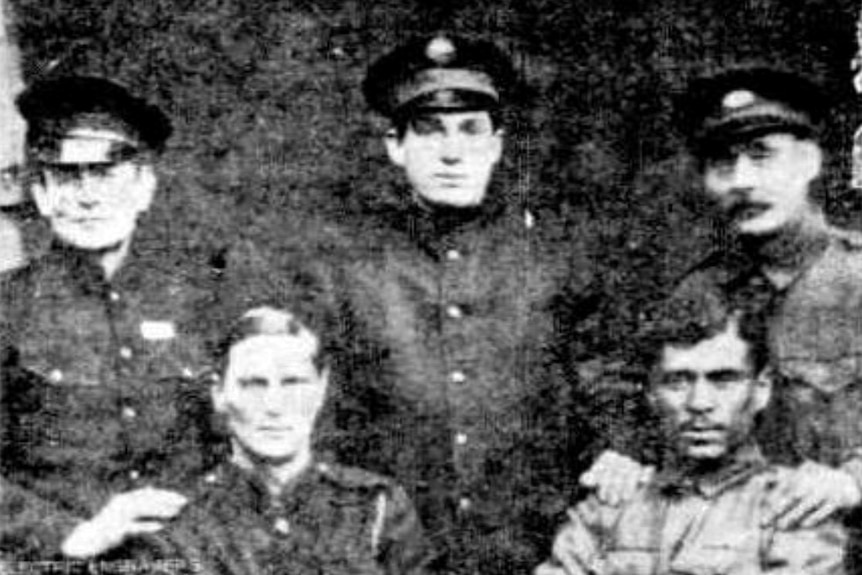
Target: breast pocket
point(720, 558)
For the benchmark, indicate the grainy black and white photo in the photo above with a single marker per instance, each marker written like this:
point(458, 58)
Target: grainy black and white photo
point(466, 287)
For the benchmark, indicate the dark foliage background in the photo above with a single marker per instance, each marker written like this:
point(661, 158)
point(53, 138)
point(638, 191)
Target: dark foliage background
point(269, 118)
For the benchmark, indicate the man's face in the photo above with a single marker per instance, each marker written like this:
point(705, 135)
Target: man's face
point(762, 184)
point(448, 157)
point(94, 206)
point(270, 395)
point(707, 396)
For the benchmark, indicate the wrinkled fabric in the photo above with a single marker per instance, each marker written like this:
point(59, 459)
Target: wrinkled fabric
point(335, 520)
point(675, 524)
point(99, 389)
point(450, 322)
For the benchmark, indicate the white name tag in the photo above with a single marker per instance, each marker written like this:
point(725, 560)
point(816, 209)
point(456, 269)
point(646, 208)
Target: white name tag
point(158, 330)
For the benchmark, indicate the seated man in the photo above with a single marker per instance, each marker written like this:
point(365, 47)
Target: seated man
point(274, 508)
point(708, 507)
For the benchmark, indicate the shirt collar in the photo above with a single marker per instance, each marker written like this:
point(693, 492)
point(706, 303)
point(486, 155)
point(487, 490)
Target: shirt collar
point(674, 479)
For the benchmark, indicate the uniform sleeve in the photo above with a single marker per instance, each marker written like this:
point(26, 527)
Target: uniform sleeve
point(577, 548)
point(399, 539)
point(816, 551)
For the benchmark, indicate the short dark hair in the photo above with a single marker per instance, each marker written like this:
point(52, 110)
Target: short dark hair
point(268, 320)
point(685, 323)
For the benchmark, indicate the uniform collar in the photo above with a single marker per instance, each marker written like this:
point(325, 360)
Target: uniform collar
point(249, 489)
point(778, 262)
point(785, 258)
point(675, 479)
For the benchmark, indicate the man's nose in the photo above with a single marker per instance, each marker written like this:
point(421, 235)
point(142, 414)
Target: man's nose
point(743, 175)
point(452, 149)
point(87, 190)
point(701, 397)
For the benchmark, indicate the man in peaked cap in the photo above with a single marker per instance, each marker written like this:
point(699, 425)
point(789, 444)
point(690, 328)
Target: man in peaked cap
point(756, 135)
point(98, 350)
point(451, 294)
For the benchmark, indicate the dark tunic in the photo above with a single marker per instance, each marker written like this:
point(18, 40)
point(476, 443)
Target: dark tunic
point(333, 519)
point(98, 383)
point(451, 323)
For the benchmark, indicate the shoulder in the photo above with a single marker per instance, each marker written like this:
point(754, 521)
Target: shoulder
point(840, 265)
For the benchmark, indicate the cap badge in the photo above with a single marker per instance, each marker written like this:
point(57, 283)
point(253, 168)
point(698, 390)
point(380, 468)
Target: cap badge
point(440, 50)
point(738, 99)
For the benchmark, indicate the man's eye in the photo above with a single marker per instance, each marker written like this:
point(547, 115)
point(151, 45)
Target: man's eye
point(721, 163)
point(252, 382)
point(64, 174)
point(675, 381)
point(759, 151)
point(725, 379)
point(426, 126)
point(474, 128)
point(100, 170)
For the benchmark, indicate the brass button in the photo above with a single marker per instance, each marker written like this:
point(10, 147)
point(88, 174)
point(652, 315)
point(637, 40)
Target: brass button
point(282, 526)
point(457, 377)
point(126, 352)
point(453, 255)
point(454, 311)
point(461, 438)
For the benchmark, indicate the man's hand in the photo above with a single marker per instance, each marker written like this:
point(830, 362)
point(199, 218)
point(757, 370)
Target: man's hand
point(130, 513)
point(616, 477)
point(807, 495)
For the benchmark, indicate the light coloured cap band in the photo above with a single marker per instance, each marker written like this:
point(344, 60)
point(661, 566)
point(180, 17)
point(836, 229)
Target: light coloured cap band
point(439, 79)
point(86, 145)
point(761, 112)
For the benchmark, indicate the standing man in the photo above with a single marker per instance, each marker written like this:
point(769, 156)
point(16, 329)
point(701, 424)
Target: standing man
point(756, 134)
point(450, 296)
point(96, 338)
point(708, 509)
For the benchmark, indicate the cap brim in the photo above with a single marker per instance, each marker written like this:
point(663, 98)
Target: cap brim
point(735, 130)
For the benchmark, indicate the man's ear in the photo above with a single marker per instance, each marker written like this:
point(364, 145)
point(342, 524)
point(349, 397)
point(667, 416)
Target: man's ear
point(811, 161)
point(394, 147)
point(147, 182)
point(499, 138)
point(45, 201)
point(217, 394)
point(762, 392)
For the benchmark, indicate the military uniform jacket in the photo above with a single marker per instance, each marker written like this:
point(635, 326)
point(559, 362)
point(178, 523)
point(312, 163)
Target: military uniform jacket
point(679, 525)
point(815, 334)
point(98, 392)
point(334, 520)
point(450, 324)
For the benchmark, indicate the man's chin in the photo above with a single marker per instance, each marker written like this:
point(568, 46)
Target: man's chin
point(89, 242)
